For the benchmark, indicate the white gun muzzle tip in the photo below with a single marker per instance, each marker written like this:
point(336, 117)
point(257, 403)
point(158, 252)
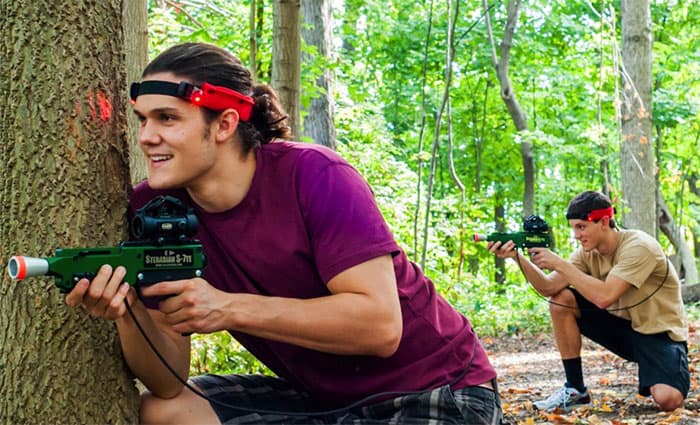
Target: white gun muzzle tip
point(20, 267)
point(17, 268)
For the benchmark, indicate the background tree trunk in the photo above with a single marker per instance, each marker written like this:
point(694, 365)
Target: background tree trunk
point(65, 167)
point(135, 29)
point(316, 31)
point(685, 262)
point(286, 57)
point(501, 63)
point(694, 186)
point(637, 154)
point(253, 38)
point(499, 219)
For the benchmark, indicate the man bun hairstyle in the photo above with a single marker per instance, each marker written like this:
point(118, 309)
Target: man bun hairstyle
point(268, 116)
point(198, 63)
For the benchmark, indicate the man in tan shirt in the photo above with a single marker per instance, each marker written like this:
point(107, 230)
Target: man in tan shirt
point(619, 290)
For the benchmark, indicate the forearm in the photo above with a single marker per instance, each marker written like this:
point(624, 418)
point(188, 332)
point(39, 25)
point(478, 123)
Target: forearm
point(546, 285)
point(591, 288)
point(564, 273)
point(142, 360)
point(344, 323)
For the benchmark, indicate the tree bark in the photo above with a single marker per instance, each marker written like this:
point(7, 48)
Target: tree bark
point(253, 38)
point(318, 122)
point(501, 63)
point(286, 57)
point(690, 293)
point(687, 266)
point(499, 218)
point(65, 166)
point(693, 180)
point(637, 155)
point(135, 30)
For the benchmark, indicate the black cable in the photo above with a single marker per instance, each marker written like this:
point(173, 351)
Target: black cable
point(549, 300)
point(276, 412)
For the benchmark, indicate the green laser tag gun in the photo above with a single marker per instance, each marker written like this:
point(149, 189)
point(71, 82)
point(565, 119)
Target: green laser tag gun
point(535, 234)
point(162, 251)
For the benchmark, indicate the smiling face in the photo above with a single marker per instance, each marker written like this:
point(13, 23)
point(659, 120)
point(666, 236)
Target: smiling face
point(590, 234)
point(583, 233)
point(175, 139)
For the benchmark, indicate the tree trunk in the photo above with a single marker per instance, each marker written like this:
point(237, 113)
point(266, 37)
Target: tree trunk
point(65, 166)
point(501, 63)
point(253, 38)
point(685, 265)
point(318, 123)
point(500, 219)
point(135, 29)
point(690, 293)
point(693, 180)
point(687, 268)
point(286, 57)
point(637, 155)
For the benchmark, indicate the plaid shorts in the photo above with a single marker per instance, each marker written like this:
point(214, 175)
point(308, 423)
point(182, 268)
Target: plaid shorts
point(259, 399)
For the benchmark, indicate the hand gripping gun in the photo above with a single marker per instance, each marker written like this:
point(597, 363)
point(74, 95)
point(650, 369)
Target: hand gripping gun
point(163, 251)
point(535, 234)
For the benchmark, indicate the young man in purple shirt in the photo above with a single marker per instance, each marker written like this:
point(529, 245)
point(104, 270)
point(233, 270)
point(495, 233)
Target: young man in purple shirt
point(301, 269)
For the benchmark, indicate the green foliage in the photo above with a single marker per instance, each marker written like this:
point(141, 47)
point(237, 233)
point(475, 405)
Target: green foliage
point(693, 311)
point(511, 308)
point(220, 22)
point(220, 353)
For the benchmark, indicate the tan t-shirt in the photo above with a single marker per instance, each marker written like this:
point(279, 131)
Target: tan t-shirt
point(639, 260)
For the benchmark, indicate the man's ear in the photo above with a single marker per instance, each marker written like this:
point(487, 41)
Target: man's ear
point(227, 125)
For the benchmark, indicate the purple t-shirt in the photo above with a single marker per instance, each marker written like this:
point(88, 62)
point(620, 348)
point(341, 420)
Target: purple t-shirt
point(308, 216)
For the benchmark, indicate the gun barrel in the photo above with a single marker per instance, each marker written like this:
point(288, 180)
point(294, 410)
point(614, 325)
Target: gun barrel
point(517, 238)
point(20, 267)
point(479, 238)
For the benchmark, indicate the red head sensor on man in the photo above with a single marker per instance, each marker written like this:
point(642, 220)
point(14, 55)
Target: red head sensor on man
point(216, 98)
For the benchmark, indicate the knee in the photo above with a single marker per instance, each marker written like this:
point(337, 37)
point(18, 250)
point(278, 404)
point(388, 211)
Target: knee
point(563, 303)
point(667, 397)
point(668, 404)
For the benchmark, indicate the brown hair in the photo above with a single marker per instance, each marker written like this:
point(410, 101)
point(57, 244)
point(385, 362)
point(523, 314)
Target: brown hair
point(201, 62)
point(587, 201)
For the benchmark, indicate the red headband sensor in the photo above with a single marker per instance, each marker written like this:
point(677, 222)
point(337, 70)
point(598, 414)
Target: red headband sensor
point(600, 213)
point(594, 215)
point(216, 98)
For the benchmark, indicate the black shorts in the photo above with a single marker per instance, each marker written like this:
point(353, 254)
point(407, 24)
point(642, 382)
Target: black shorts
point(661, 360)
point(271, 400)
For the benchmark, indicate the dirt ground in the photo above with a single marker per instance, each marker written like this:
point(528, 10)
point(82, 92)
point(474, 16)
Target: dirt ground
point(530, 369)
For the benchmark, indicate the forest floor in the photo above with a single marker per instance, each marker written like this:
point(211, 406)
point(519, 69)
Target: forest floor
point(529, 369)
